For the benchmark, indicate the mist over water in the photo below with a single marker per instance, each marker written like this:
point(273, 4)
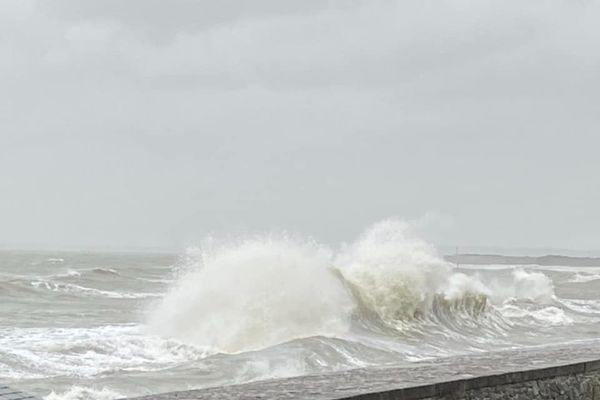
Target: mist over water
point(116, 325)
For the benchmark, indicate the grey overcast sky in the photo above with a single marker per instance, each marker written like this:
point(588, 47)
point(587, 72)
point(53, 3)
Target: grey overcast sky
point(153, 123)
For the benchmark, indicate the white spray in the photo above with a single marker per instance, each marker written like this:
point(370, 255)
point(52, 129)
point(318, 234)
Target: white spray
point(255, 294)
point(264, 291)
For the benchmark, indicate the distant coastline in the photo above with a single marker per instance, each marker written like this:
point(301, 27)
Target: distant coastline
point(548, 260)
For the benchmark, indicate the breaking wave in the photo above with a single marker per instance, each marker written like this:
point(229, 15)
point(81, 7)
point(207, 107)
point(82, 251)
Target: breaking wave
point(264, 291)
point(255, 294)
point(273, 306)
point(85, 393)
point(584, 277)
point(33, 353)
point(71, 288)
point(399, 277)
point(106, 271)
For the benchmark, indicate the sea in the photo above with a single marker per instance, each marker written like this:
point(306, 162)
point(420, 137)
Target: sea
point(108, 325)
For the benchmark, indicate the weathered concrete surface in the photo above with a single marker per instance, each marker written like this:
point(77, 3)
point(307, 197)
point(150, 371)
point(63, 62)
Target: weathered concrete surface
point(569, 387)
point(7, 393)
point(556, 372)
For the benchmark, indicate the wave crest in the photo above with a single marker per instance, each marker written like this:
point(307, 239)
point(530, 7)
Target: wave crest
point(255, 294)
point(261, 292)
point(399, 276)
point(84, 393)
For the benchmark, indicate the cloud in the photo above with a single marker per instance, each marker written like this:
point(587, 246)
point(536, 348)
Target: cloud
point(344, 112)
point(159, 21)
point(369, 45)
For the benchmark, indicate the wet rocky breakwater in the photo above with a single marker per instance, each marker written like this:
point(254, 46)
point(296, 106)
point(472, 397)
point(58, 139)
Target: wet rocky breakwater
point(551, 372)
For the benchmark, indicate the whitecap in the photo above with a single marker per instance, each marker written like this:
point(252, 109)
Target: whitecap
point(85, 393)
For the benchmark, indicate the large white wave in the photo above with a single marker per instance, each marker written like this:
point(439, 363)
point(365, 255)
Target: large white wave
point(254, 294)
point(398, 275)
point(262, 291)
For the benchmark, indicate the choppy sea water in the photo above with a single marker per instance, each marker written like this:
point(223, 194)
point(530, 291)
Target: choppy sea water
point(104, 326)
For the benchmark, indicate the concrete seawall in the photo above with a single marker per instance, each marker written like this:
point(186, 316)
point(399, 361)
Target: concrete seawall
point(558, 372)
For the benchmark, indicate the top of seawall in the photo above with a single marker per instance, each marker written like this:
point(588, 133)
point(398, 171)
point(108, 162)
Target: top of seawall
point(417, 380)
